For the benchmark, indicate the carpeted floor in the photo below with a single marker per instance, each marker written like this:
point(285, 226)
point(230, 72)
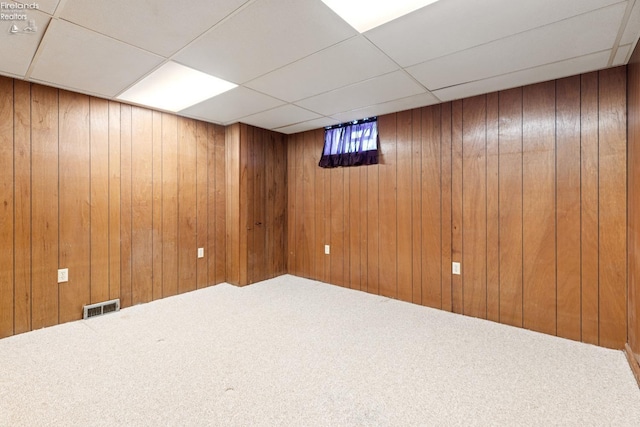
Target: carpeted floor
point(291, 351)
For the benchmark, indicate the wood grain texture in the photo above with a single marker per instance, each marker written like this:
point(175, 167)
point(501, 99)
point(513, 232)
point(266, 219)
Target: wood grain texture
point(612, 207)
point(43, 164)
point(633, 207)
point(202, 189)
point(44, 206)
point(212, 200)
point(336, 214)
point(156, 207)
point(308, 230)
point(373, 229)
point(248, 219)
point(22, 204)
point(457, 200)
point(252, 174)
point(404, 227)
point(276, 207)
point(387, 229)
point(538, 205)
point(321, 211)
point(346, 232)
point(115, 184)
point(299, 203)
point(6, 209)
point(170, 243)
point(126, 208)
point(99, 199)
point(510, 185)
point(474, 206)
point(220, 205)
point(568, 206)
point(430, 196)
point(510, 206)
point(493, 208)
point(292, 208)
point(187, 249)
point(74, 205)
point(417, 203)
point(215, 205)
point(589, 206)
point(92, 185)
point(142, 206)
point(364, 224)
point(355, 228)
point(446, 220)
point(258, 250)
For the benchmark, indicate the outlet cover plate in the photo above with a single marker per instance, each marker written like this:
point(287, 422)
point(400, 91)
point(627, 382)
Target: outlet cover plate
point(63, 275)
point(200, 252)
point(455, 268)
point(327, 250)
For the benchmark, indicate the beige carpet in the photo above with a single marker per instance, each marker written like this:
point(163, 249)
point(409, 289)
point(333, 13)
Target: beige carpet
point(290, 351)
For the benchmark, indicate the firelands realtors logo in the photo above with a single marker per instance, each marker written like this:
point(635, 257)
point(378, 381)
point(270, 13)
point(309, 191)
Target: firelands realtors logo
point(17, 14)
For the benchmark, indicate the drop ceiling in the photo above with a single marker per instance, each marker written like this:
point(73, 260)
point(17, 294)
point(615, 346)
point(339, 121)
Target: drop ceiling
point(299, 66)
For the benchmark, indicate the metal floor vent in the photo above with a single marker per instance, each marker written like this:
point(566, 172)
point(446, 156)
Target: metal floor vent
point(101, 308)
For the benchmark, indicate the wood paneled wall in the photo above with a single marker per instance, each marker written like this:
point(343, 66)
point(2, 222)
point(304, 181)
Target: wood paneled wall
point(256, 183)
point(121, 196)
point(633, 194)
point(525, 187)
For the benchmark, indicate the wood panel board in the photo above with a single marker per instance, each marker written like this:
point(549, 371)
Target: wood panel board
point(474, 206)
point(74, 204)
point(612, 207)
point(510, 206)
point(568, 206)
point(404, 223)
point(141, 206)
point(22, 205)
point(539, 221)
point(589, 206)
point(6, 208)
point(99, 212)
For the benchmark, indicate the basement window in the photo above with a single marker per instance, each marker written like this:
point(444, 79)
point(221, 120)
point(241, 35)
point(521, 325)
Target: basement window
point(351, 144)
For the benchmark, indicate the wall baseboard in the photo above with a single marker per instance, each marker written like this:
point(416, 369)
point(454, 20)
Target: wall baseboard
point(633, 362)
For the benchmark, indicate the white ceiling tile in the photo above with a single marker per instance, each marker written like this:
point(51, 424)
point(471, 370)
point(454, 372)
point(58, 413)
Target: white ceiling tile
point(378, 90)
point(280, 117)
point(348, 62)
point(584, 34)
point(17, 50)
point(266, 35)
point(74, 57)
point(232, 105)
point(310, 125)
point(159, 26)
point(543, 73)
point(632, 29)
point(407, 103)
point(449, 26)
point(46, 6)
point(621, 55)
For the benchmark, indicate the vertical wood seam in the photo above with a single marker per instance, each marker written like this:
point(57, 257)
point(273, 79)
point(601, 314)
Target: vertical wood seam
point(486, 208)
point(555, 195)
point(598, 195)
point(13, 210)
point(581, 197)
point(58, 204)
point(522, 204)
point(498, 204)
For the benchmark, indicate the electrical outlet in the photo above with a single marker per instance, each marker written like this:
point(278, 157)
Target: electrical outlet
point(63, 275)
point(327, 250)
point(455, 268)
point(200, 252)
